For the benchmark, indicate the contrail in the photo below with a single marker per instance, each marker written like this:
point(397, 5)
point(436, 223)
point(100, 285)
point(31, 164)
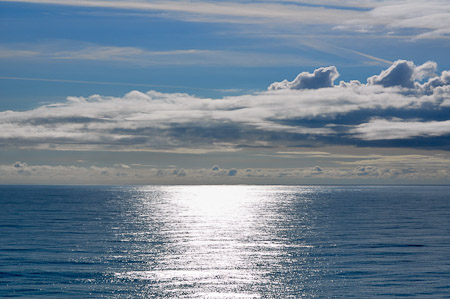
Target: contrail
point(367, 55)
point(326, 47)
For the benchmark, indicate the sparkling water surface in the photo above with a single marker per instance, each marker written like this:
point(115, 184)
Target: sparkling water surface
point(224, 241)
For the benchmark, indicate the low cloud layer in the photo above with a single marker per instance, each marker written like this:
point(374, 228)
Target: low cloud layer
point(404, 106)
point(118, 174)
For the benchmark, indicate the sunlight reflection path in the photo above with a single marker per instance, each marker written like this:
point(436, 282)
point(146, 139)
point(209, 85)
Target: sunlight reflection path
point(219, 241)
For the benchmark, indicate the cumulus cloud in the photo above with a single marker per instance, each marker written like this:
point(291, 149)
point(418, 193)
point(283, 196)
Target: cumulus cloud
point(404, 73)
point(398, 74)
point(395, 105)
point(426, 70)
point(439, 84)
point(322, 77)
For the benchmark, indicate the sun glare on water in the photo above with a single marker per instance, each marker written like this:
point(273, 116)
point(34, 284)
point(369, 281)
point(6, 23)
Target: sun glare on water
point(219, 241)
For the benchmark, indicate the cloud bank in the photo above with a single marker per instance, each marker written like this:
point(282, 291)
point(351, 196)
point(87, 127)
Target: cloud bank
point(404, 106)
point(118, 174)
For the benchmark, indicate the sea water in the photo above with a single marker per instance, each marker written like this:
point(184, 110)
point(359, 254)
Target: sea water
point(224, 241)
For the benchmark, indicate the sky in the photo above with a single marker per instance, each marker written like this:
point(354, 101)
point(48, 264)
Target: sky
point(224, 92)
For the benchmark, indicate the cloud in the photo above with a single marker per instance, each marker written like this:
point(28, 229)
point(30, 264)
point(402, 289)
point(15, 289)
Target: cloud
point(60, 174)
point(392, 109)
point(317, 170)
point(404, 73)
point(382, 129)
point(21, 168)
point(322, 77)
point(430, 19)
point(367, 171)
point(232, 172)
point(90, 82)
point(84, 51)
point(224, 11)
point(398, 74)
point(436, 161)
point(439, 84)
point(13, 53)
point(426, 70)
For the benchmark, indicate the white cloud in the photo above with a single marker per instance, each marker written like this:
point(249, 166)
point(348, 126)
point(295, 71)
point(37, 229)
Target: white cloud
point(426, 70)
point(77, 51)
point(224, 11)
point(404, 73)
point(398, 74)
point(382, 129)
point(347, 113)
point(322, 77)
point(430, 19)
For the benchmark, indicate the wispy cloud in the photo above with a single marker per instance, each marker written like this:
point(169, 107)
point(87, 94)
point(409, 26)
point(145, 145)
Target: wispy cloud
point(58, 51)
point(382, 129)
point(119, 53)
point(12, 53)
point(424, 159)
point(117, 84)
point(430, 19)
point(255, 11)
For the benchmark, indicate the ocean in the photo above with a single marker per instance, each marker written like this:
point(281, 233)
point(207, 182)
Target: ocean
point(224, 241)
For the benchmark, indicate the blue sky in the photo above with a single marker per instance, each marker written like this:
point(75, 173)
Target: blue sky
point(193, 91)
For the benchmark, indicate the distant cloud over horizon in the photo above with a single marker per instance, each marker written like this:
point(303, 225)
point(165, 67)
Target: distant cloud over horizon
point(117, 174)
point(404, 106)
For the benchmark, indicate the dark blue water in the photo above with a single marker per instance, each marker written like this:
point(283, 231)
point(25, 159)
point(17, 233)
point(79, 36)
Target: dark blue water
point(224, 242)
